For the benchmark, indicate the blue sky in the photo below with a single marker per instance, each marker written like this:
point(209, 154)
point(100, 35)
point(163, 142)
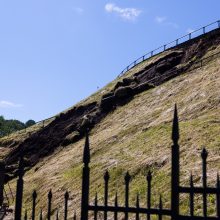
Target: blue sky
point(54, 53)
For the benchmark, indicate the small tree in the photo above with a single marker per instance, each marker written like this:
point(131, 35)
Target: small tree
point(30, 123)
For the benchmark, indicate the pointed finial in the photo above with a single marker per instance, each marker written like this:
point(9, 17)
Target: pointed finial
point(191, 179)
point(127, 177)
point(21, 167)
point(175, 129)
point(149, 176)
point(86, 153)
point(160, 202)
point(106, 176)
point(50, 194)
point(116, 198)
point(34, 195)
point(204, 154)
point(137, 200)
point(66, 195)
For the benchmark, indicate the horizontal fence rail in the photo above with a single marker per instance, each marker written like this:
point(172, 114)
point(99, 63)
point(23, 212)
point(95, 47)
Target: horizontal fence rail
point(201, 31)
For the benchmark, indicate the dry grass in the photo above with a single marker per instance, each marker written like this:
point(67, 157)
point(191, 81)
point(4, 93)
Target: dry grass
point(136, 137)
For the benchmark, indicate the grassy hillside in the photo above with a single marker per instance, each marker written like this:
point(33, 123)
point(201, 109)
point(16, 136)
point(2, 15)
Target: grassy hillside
point(136, 137)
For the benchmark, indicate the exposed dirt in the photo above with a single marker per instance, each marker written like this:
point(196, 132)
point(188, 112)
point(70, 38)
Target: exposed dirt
point(69, 127)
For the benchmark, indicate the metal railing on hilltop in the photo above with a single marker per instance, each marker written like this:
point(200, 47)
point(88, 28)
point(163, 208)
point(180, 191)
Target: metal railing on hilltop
point(201, 31)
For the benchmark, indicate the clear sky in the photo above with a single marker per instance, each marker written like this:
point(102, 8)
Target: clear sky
point(53, 53)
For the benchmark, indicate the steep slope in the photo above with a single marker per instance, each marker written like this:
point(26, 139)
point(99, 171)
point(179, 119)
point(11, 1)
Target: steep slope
point(134, 132)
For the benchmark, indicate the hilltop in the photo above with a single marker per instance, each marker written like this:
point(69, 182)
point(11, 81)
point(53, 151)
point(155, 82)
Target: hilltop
point(130, 126)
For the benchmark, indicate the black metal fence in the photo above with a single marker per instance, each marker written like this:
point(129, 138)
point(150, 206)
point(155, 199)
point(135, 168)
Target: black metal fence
point(107, 210)
point(149, 211)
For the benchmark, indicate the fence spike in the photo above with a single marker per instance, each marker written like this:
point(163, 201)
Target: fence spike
point(137, 206)
point(175, 129)
point(19, 190)
point(106, 179)
point(86, 153)
point(218, 195)
point(116, 205)
point(191, 195)
point(149, 178)
point(127, 180)
point(204, 156)
point(96, 204)
point(74, 216)
point(49, 204)
point(85, 180)
point(57, 216)
point(160, 208)
point(34, 197)
point(25, 215)
point(66, 197)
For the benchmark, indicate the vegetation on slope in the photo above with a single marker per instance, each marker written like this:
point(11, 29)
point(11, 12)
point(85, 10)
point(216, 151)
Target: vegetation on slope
point(136, 137)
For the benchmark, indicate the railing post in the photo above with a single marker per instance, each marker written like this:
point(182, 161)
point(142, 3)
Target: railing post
point(85, 180)
point(50, 195)
point(2, 181)
point(127, 181)
point(175, 168)
point(149, 178)
point(106, 179)
point(204, 155)
point(34, 197)
point(66, 198)
point(19, 190)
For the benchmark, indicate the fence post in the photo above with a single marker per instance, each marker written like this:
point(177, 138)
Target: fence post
point(34, 197)
point(175, 168)
point(85, 180)
point(19, 190)
point(66, 198)
point(2, 181)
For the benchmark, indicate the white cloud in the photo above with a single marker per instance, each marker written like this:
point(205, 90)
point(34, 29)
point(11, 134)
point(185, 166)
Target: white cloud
point(162, 20)
point(78, 10)
point(126, 13)
point(7, 104)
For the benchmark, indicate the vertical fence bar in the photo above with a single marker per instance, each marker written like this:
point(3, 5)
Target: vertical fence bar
point(96, 204)
point(151, 53)
point(19, 190)
point(164, 47)
point(25, 215)
point(149, 178)
point(160, 209)
point(49, 205)
point(177, 42)
point(34, 197)
point(106, 179)
point(137, 207)
point(85, 180)
point(218, 197)
point(66, 197)
point(191, 196)
point(175, 168)
point(127, 181)
point(57, 216)
point(218, 24)
point(190, 36)
point(143, 58)
point(116, 206)
point(203, 29)
point(74, 216)
point(41, 215)
point(204, 155)
point(2, 181)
